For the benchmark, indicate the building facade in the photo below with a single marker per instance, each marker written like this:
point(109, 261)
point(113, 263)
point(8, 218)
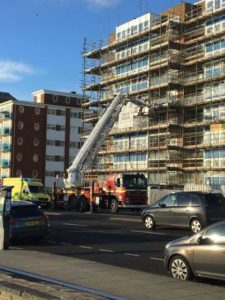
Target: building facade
point(175, 62)
point(40, 139)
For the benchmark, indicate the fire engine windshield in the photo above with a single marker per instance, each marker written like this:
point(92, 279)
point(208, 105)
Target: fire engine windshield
point(135, 181)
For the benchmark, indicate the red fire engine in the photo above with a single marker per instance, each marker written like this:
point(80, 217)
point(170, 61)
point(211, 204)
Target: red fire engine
point(116, 190)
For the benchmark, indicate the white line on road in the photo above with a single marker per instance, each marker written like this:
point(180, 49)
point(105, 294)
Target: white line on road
point(154, 233)
point(122, 219)
point(156, 258)
point(66, 244)
point(106, 250)
point(85, 247)
point(131, 254)
point(72, 224)
point(52, 242)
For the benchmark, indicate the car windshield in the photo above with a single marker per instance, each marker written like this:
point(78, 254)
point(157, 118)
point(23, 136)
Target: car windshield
point(135, 181)
point(36, 189)
point(24, 211)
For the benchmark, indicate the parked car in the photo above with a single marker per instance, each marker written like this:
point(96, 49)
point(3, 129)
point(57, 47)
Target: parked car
point(28, 220)
point(193, 210)
point(199, 255)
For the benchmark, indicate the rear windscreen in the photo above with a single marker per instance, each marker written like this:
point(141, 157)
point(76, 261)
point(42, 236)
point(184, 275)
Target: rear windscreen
point(25, 211)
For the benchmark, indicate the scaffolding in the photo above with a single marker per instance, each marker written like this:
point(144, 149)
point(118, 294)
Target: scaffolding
point(168, 64)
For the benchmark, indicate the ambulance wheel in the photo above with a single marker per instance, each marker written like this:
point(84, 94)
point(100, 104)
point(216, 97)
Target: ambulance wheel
point(113, 205)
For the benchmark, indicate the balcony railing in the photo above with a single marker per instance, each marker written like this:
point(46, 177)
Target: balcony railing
point(5, 147)
point(5, 163)
point(194, 33)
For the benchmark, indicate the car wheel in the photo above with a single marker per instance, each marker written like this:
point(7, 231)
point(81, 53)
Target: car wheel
point(179, 268)
point(114, 206)
point(149, 222)
point(195, 226)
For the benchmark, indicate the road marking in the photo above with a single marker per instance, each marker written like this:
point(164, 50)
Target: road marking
point(53, 214)
point(156, 258)
point(72, 224)
point(52, 242)
point(121, 219)
point(66, 244)
point(106, 250)
point(17, 248)
point(131, 254)
point(154, 233)
point(85, 247)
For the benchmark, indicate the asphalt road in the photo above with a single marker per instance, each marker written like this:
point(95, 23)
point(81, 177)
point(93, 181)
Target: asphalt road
point(119, 240)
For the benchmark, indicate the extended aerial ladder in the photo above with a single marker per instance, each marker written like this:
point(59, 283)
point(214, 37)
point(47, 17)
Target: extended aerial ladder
point(93, 143)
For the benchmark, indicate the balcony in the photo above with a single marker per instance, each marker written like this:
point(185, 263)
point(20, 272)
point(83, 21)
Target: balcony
point(5, 163)
point(5, 115)
point(6, 147)
point(194, 33)
point(6, 131)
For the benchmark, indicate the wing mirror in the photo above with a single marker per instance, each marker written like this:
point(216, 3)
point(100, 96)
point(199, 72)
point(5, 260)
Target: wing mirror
point(162, 205)
point(204, 241)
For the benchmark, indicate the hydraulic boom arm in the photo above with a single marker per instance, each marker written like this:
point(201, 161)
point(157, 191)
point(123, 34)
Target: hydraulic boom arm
point(94, 141)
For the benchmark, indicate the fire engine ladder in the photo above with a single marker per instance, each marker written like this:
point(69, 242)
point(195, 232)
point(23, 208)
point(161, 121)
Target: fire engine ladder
point(93, 143)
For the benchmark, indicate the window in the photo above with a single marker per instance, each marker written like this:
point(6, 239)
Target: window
point(68, 100)
point(134, 29)
point(217, 4)
point(19, 141)
point(183, 200)
point(34, 173)
point(36, 142)
point(195, 200)
point(37, 110)
point(209, 30)
point(20, 125)
point(169, 200)
point(21, 109)
point(18, 172)
point(55, 98)
point(216, 234)
point(210, 5)
point(36, 126)
point(19, 157)
point(35, 157)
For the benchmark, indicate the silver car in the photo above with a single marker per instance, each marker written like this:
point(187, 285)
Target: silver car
point(202, 254)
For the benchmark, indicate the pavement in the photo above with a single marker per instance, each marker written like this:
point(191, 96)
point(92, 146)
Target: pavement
point(63, 277)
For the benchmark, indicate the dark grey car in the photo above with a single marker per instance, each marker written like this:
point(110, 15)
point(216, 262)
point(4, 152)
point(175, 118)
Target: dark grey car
point(27, 220)
point(202, 254)
point(193, 210)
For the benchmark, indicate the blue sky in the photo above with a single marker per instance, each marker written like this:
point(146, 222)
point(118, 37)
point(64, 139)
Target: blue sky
point(41, 40)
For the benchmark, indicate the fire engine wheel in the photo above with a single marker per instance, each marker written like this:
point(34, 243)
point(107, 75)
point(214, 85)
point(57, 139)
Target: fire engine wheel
point(83, 203)
point(113, 206)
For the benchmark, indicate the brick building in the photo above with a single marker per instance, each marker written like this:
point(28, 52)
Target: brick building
point(40, 139)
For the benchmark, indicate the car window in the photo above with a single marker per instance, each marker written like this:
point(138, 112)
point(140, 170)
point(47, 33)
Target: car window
point(169, 200)
point(214, 200)
point(183, 200)
point(195, 200)
point(25, 211)
point(216, 234)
